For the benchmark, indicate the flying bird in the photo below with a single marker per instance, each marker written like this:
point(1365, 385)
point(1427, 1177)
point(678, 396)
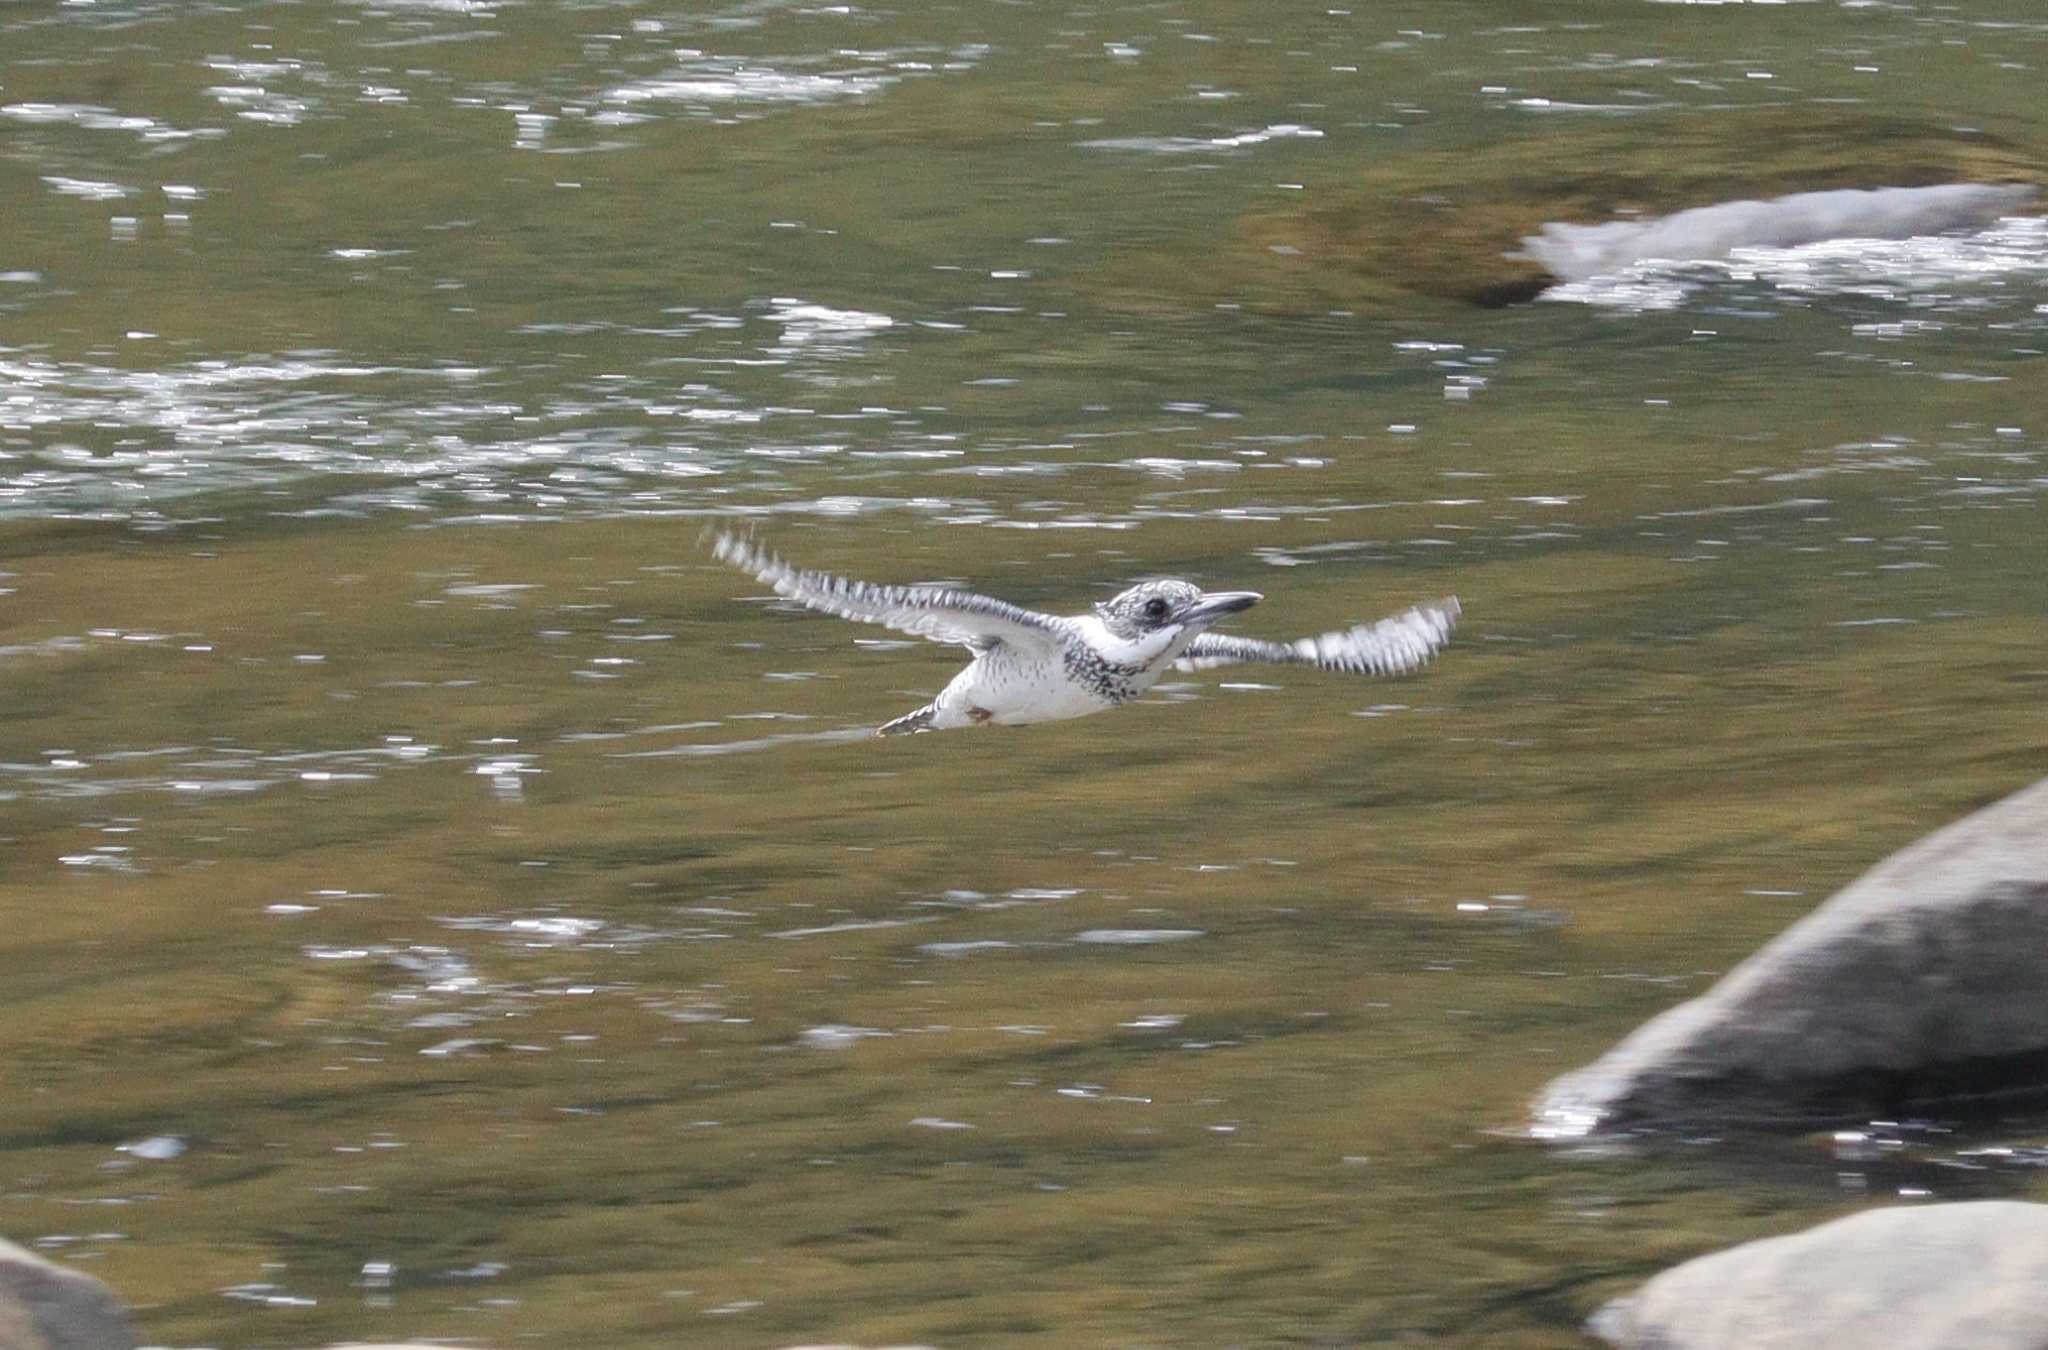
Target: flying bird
point(1032, 667)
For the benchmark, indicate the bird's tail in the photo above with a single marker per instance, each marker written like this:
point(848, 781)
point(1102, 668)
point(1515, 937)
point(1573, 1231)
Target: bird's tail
point(921, 720)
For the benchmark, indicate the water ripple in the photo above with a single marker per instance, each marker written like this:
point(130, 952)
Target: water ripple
point(91, 117)
point(1189, 145)
point(717, 79)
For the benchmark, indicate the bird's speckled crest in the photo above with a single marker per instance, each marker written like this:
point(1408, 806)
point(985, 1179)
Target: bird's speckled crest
point(1147, 607)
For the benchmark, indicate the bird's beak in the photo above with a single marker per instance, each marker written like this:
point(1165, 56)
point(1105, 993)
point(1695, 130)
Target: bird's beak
point(1212, 607)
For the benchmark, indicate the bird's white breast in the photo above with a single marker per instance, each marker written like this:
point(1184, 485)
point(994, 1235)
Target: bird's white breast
point(1013, 688)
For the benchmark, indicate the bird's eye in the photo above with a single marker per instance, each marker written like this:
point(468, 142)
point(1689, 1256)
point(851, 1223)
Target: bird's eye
point(1155, 608)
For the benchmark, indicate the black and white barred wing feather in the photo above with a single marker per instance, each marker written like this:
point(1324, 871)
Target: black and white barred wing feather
point(1392, 646)
point(958, 618)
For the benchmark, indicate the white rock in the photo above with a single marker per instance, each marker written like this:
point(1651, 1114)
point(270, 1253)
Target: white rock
point(45, 1306)
point(1913, 1277)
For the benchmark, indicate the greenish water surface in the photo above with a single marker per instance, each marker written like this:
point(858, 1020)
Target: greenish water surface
point(438, 900)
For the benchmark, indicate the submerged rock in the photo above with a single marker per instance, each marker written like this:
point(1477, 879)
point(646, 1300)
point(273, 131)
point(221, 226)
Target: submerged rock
point(45, 1306)
point(1917, 985)
point(1920, 1277)
point(1398, 229)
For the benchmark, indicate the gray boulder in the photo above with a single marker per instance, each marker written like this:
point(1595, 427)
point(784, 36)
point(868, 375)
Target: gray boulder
point(45, 1306)
point(1917, 1277)
point(1918, 985)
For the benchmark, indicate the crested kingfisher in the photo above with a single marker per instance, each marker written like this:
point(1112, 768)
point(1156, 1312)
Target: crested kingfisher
point(1033, 667)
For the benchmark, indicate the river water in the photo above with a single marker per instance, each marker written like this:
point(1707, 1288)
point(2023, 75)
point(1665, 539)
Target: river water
point(437, 899)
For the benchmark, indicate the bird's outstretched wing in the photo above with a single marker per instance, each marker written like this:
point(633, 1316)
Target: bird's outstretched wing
point(959, 618)
point(1392, 646)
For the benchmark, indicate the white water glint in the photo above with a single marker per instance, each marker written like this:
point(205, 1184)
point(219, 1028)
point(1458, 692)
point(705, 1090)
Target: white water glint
point(94, 437)
point(93, 118)
point(188, 771)
point(1918, 265)
point(836, 1036)
point(724, 80)
point(1187, 145)
point(156, 1148)
point(536, 931)
point(1580, 252)
point(1135, 937)
point(89, 189)
point(822, 330)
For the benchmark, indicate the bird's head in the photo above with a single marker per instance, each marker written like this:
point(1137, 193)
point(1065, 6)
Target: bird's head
point(1167, 612)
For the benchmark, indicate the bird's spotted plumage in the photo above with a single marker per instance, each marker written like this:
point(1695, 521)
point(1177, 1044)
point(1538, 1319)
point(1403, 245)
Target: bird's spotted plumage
point(1114, 681)
point(1033, 667)
point(1146, 606)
